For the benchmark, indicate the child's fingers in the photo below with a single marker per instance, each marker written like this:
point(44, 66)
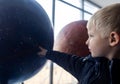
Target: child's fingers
point(42, 51)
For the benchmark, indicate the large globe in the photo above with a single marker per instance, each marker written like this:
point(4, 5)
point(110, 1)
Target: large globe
point(24, 25)
point(71, 39)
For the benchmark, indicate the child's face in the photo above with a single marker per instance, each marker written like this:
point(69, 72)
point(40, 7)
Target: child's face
point(98, 45)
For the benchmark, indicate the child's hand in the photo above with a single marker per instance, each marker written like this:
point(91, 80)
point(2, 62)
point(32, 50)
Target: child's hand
point(42, 51)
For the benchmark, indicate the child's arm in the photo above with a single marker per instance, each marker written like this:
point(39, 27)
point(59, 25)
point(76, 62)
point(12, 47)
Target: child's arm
point(70, 63)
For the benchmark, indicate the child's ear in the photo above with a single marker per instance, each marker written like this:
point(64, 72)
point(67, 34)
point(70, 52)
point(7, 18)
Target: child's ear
point(114, 38)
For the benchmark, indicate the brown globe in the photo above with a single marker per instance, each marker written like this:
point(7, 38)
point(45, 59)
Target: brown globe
point(71, 39)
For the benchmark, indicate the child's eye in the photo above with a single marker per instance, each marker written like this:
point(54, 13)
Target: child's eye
point(90, 35)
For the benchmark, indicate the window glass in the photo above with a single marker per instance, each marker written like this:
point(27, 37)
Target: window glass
point(90, 8)
point(73, 2)
point(87, 16)
point(64, 14)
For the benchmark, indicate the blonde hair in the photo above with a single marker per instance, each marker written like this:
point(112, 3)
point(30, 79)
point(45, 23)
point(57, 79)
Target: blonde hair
point(106, 19)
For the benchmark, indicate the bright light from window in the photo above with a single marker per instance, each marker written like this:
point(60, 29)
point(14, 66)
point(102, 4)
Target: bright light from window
point(64, 15)
point(91, 8)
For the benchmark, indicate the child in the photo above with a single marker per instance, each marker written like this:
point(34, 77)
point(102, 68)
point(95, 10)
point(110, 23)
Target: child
point(103, 65)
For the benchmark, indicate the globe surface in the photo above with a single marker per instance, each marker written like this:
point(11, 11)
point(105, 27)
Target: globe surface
point(24, 26)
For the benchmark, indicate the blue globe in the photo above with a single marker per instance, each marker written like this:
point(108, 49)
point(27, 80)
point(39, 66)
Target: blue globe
point(24, 26)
